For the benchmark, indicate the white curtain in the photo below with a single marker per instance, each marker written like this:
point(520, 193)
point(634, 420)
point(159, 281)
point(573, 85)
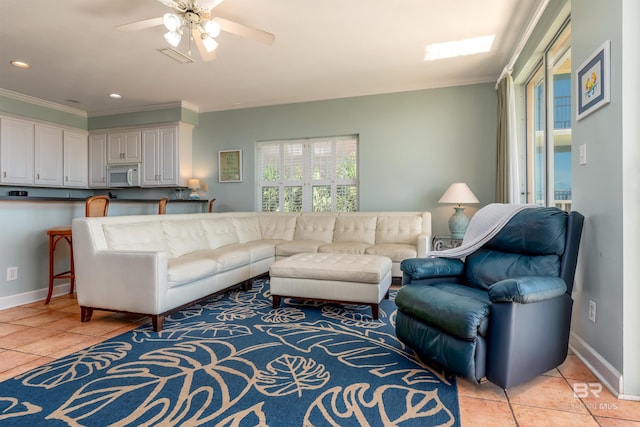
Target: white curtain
point(507, 173)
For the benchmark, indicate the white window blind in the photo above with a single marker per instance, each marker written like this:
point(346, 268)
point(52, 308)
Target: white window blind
point(318, 174)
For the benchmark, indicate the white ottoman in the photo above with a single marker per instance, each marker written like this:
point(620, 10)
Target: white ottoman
point(344, 278)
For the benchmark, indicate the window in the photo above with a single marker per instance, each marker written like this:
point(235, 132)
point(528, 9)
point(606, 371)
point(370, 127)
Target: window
point(548, 95)
point(319, 175)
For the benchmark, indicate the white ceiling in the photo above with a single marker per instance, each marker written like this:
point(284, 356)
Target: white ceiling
point(324, 49)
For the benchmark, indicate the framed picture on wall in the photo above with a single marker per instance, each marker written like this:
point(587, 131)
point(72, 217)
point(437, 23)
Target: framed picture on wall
point(230, 166)
point(593, 81)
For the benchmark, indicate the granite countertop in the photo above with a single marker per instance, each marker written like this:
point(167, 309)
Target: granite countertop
point(83, 199)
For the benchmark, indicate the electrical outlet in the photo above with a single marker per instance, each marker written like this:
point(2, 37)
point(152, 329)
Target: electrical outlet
point(12, 273)
point(592, 311)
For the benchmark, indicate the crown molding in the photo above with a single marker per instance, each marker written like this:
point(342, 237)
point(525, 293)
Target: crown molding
point(153, 107)
point(42, 103)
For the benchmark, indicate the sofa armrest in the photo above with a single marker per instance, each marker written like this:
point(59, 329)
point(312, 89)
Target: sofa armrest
point(423, 244)
point(528, 289)
point(426, 268)
point(133, 281)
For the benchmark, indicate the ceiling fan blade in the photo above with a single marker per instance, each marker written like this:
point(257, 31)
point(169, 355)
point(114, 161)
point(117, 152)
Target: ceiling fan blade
point(245, 31)
point(206, 56)
point(140, 25)
point(209, 4)
point(170, 3)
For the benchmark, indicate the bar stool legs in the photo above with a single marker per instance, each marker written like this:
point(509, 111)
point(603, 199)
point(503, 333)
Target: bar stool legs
point(55, 235)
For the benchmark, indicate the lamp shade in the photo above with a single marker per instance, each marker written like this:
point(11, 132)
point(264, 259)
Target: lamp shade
point(458, 193)
point(193, 183)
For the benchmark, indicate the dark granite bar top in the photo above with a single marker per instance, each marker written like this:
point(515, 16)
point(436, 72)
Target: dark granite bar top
point(83, 199)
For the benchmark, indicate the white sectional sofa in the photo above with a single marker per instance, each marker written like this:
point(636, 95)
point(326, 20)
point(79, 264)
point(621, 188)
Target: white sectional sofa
point(156, 264)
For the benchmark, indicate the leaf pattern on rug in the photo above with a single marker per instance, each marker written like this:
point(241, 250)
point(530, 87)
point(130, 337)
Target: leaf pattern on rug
point(11, 408)
point(291, 374)
point(208, 376)
point(178, 331)
point(362, 350)
point(284, 315)
point(79, 365)
point(305, 363)
point(356, 405)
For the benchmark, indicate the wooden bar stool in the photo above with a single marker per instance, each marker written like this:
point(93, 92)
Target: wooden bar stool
point(55, 235)
point(94, 206)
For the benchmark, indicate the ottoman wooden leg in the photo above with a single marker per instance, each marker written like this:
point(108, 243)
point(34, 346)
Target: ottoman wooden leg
point(276, 301)
point(374, 311)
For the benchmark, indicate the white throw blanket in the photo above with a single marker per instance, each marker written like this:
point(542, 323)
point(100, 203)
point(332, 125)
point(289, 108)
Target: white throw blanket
point(484, 225)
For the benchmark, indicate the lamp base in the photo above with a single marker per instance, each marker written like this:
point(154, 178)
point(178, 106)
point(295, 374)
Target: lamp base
point(194, 195)
point(458, 223)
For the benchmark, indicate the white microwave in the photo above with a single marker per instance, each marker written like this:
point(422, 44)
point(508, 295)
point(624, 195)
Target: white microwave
point(125, 175)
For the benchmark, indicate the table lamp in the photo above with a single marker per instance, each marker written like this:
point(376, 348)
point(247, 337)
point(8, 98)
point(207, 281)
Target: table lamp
point(193, 184)
point(458, 193)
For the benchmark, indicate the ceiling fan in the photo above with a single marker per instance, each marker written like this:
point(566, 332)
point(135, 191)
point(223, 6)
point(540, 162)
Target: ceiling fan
point(195, 17)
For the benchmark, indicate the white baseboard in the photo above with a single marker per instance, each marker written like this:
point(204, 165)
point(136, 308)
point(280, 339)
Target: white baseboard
point(32, 296)
point(603, 370)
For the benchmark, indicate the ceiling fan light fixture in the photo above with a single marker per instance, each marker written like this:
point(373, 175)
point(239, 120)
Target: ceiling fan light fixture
point(173, 38)
point(212, 28)
point(209, 43)
point(171, 22)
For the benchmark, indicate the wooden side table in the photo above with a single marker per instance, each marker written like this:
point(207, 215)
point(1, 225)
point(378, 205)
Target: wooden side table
point(55, 235)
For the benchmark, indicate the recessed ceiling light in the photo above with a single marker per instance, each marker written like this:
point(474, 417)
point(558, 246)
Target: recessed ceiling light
point(20, 64)
point(458, 48)
point(115, 96)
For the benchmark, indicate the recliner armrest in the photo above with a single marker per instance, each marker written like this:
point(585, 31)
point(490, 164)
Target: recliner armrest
point(425, 268)
point(529, 289)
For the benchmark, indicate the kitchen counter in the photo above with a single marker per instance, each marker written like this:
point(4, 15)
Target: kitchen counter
point(83, 199)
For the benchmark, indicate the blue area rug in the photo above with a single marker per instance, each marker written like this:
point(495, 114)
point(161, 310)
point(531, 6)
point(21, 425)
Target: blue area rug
point(234, 361)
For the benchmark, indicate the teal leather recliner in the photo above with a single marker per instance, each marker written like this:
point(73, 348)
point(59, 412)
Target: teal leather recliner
point(504, 312)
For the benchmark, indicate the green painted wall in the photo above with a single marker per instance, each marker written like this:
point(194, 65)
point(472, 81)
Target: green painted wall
point(412, 145)
point(38, 112)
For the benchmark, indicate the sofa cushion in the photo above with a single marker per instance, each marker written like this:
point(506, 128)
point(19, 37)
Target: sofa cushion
point(292, 247)
point(230, 257)
point(220, 232)
point(277, 226)
point(140, 236)
point(259, 250)
point(397, 252)
point(247, 228)
point(315, 227)
point(344, 248)
point(398, 229)
point(190, 267)
point(357, 228)
point(185, 236)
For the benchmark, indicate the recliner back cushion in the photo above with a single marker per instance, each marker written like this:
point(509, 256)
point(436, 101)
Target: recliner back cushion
point(539, 231)
point(486, 267)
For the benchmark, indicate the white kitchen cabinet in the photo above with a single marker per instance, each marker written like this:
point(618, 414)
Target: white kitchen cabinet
point(16, 151)
point(124, 147)
point(75, 156)
point(48, 156)
point(98, 160)
point(160, 157)
point(166, 155)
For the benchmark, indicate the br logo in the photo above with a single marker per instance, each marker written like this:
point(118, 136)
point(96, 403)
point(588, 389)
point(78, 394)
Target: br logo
point(584, 390)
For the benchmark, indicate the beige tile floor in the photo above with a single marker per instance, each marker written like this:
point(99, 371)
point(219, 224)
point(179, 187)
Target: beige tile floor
point(34, 334)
